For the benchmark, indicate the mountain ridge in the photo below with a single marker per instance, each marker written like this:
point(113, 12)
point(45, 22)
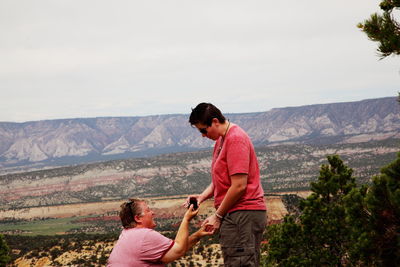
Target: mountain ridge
point(65, 141)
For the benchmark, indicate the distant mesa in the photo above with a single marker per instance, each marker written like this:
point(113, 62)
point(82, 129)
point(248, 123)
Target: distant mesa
point(39, 144)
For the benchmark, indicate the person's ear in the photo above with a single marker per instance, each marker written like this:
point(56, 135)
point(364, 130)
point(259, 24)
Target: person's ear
point(215, 120)
point(138, 218)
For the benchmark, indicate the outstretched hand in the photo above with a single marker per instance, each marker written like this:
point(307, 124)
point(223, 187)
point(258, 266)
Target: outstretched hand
point(190, 213)
point(205, 230)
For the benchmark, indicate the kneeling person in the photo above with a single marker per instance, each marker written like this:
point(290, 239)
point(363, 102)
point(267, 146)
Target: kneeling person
point(140, 245)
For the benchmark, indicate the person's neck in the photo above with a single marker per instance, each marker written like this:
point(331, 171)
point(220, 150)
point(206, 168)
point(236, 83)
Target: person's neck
point(142, 226)
point(225, 128)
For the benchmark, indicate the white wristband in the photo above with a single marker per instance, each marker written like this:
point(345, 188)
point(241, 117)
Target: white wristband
point(219, 216)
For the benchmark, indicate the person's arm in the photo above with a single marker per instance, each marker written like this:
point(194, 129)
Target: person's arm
point(206, 194)
point(181, 243)
point(235, 191)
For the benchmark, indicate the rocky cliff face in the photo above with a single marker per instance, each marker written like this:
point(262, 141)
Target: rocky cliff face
point(80, 140)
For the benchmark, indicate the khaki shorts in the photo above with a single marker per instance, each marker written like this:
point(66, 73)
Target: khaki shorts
point(240, 237)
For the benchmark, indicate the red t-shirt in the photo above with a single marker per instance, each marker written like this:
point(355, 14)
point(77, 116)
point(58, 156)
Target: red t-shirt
point(237, 156)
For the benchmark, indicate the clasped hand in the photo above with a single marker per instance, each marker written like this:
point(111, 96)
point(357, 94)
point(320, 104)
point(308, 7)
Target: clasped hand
point(212, 223)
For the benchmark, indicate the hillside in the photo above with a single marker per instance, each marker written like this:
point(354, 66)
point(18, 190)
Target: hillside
point(42, 144)
point(282, 167)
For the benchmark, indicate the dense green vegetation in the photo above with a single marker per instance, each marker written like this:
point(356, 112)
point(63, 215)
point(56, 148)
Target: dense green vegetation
point(4, 252)
point(341, 223)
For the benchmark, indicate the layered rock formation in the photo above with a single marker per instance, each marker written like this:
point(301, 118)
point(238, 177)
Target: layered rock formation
point(85, 140)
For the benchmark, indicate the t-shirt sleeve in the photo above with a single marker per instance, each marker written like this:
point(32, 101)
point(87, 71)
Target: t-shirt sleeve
point(154, 246)
point(238, 156)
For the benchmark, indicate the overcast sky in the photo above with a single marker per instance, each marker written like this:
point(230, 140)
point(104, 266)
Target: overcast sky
point(69, 59)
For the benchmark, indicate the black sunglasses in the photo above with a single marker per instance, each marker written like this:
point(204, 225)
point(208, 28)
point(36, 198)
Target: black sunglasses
point(203, 130)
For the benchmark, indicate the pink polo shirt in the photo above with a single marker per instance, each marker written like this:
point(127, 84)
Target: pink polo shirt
point(237, 156)
point(139, 247)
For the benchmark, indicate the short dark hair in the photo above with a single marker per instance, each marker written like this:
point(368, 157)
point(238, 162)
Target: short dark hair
point(128, 212)
point(204, 113)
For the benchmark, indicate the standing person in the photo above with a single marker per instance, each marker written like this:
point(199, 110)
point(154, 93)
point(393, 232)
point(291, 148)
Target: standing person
point(140, 246)
point(235, 185)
